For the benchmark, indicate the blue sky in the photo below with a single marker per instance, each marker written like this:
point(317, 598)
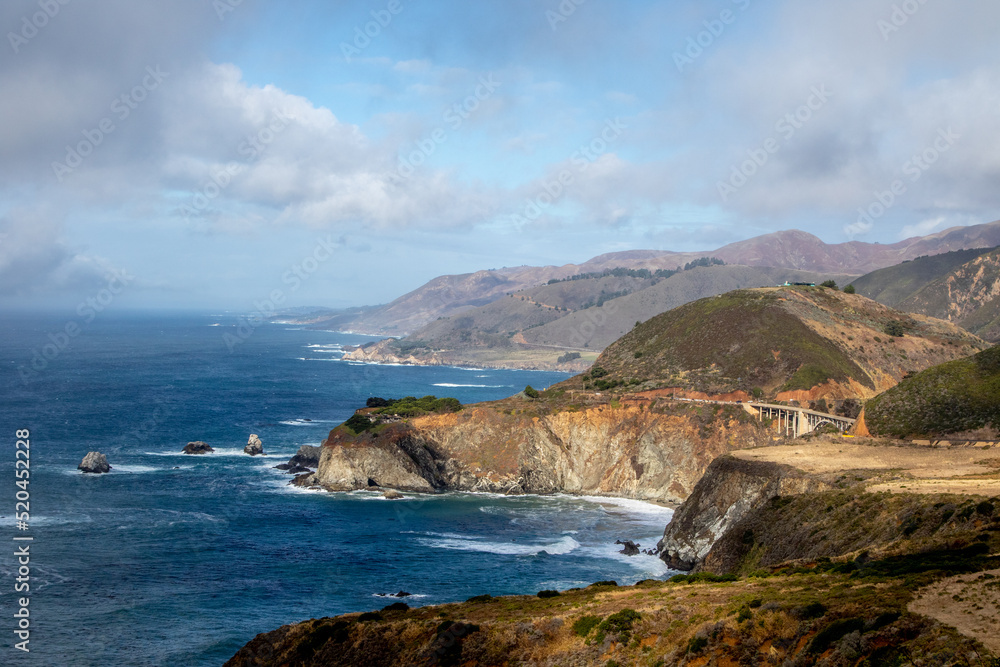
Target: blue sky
point(242, 141)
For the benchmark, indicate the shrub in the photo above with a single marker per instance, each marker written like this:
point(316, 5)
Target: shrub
point(849, 289)
point(548, 593)
point(894, 328)
point(358, 423)
point(530, 392)
point(583, 625)
point(619, 623)
point(597, 372)
point(833, 632)
point(697, 644)
point(830, 284)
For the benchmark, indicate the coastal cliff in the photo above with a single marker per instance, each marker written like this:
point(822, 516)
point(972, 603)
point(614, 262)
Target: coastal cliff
point(639, 450)
point(730, 489)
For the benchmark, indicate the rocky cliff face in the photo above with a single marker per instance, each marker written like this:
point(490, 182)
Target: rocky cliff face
point(730, 489)
point(623, 450)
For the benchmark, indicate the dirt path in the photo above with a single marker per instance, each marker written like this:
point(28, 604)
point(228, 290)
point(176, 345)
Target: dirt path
point(970, 603)
point(907, 468)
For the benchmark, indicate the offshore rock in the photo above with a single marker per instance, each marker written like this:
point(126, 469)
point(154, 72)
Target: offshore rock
point(94, 462)
point(197, 447)
point(254, 446)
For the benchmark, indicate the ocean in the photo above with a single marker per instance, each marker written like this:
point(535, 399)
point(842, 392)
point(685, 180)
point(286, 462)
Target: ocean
point(173, 559)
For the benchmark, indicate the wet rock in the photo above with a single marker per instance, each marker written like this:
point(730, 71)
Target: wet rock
point(94, 462)
point(631, 548)
point(392, 494)
point(254, 446)
point(197, 447)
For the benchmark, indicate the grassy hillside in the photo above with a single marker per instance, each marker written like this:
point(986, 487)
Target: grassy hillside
point(581, 314)
point(968, 295)
point(894, 284)
point(772, 340)
point(596, 328)
point(955, 397)
point(962, 287)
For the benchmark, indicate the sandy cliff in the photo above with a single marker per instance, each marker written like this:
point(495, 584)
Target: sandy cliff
point(617, 449)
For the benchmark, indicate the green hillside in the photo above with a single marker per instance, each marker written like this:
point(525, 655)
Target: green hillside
point(728, 342)
point(895, 284)
point(772, 340)
point(596, 328)
point(961, 395)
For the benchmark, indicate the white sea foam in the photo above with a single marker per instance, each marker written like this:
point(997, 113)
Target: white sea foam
point(450, 536)
point(304, 422)
point(562, 546)
point(486, 386)
point(135, 469)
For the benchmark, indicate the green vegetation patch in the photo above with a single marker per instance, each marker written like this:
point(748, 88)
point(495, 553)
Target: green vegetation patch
point(740, 340)
point(409, 406)
point(960, 395)
point(583, 625)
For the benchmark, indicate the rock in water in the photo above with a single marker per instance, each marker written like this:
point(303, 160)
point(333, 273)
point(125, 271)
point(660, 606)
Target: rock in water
point(306, 457)
point(94, 462)
point(197, 447)
point(254, 446)
point(631, 548)
point(392, 494)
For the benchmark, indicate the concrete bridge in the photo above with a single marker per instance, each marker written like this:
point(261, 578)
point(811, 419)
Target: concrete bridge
point(795, 422)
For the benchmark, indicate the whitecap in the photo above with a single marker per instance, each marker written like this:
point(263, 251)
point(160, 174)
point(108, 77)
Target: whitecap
point(560, 547)
point(483, 386)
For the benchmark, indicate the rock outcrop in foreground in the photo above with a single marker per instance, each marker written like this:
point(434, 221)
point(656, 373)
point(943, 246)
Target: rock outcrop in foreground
point(94, 462)
point(730, 489)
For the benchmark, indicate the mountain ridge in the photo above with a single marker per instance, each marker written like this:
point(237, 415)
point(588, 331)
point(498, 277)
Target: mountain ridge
point(786, 249)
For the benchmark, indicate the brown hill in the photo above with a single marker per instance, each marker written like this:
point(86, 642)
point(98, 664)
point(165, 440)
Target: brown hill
point(789, 343)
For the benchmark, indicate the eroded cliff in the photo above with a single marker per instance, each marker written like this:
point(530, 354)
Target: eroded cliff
point(730, 489)
point(644, 451)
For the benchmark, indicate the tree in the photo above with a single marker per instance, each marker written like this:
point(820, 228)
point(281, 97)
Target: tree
point(849, 289)
point(831, 284)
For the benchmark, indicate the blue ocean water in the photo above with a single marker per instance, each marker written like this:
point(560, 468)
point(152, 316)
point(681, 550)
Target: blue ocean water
point(179, 560)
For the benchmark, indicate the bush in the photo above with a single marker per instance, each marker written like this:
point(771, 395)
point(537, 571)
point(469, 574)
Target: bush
point(830, 284)
point(569, 356)
point(548, 593)
point(697, 644)
point(358, 423)
point(833, 632)
point(619, 623)
point(894, 328)
point(849, 289)
point(530, 392)
point(583, 625)
point(597, 372)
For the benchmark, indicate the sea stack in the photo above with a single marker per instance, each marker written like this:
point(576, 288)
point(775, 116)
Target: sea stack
point(254, 446)
point(94, 462)
point(197, 447)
